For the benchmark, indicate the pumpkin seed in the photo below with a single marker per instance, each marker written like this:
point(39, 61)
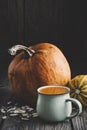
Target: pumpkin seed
point(19, 111)
point(34, 115)
point(9, 102)
point(25, 115)
point(22, 118)
point(4, 117)
point(13, 114)
point(3, 111)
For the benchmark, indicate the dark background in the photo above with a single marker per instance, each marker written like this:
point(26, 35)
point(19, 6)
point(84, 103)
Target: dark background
point(61, 22)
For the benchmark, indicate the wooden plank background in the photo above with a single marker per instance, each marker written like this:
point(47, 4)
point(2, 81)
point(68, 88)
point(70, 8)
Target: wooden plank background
point(33, 21)
point(63, 23)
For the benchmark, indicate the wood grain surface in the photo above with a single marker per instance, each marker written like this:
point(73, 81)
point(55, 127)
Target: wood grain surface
point(15, 123)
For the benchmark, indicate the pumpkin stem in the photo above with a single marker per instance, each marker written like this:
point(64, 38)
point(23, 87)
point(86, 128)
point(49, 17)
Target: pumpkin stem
point(13, 50)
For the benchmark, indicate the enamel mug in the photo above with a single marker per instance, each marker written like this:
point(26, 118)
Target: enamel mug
point(55, 104)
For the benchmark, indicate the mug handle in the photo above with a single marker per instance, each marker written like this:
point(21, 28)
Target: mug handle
point(77, 105)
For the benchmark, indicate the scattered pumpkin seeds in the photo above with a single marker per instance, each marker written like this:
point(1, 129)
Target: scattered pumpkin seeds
point(23, 112)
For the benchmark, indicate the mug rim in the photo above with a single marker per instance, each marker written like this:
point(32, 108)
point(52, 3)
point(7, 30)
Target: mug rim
point(48, 86)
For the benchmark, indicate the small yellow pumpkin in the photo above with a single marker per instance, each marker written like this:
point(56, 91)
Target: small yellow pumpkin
point(78, 86)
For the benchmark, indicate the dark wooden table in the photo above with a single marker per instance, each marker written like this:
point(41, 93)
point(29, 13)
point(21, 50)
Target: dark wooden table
point(34, 123)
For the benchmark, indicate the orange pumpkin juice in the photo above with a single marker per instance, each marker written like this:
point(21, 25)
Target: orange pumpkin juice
point(53, 90)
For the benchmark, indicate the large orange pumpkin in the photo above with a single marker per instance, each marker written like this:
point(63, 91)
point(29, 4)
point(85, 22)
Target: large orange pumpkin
point(35, 66)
